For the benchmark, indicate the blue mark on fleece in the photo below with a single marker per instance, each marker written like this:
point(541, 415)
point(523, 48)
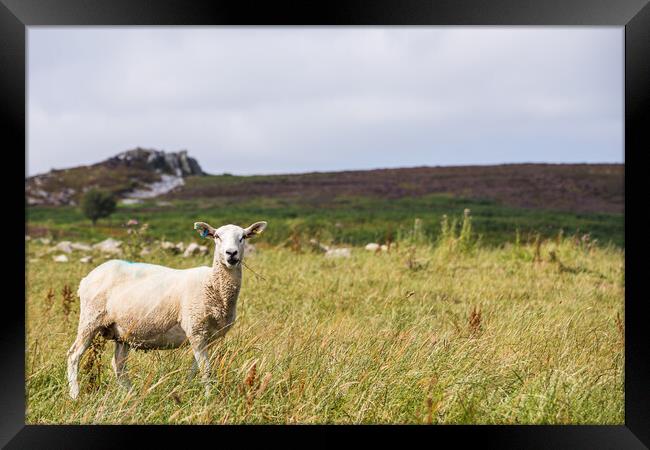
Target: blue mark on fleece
point(133, 263)
point(204, 233)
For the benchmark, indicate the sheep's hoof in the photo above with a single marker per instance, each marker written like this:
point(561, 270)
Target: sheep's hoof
point(74, 392)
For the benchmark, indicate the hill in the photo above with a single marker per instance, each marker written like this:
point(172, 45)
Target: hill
point(586, 188)
point(143, 173)
point(137, 173)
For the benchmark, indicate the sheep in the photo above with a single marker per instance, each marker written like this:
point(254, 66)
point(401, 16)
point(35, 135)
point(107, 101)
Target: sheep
point(147, 306)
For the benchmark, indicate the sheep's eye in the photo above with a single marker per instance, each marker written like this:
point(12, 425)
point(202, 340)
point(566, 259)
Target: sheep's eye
point(241, 239)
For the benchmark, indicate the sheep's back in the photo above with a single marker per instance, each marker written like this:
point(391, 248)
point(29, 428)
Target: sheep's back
point(116, 274)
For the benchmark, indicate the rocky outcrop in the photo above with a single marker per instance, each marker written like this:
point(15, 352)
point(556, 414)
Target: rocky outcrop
point(135, 174)
point(173, 163)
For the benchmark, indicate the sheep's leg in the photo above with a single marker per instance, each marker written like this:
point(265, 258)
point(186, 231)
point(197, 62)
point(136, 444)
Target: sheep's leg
point(119, 364)
point(193, 370)
point(202, 361)
point(82, 342)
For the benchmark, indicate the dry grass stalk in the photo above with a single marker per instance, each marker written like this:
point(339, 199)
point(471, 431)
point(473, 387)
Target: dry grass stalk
point(92, 363)
point(475, 321)
point(295, 242)
point(66, 300)
point(251, 375)
point(429, 411)
point(176, 398)
point(49, 299)
point(263, 385)
point(620, 326)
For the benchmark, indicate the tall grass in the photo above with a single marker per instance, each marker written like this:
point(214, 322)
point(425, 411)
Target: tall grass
point(462, 334)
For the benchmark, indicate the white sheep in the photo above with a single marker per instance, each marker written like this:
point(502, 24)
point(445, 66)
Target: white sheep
point(149, 306)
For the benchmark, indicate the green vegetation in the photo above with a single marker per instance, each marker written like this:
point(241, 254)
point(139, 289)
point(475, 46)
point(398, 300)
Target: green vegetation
point(97, 204)
point(341, 220)
point(442, 329)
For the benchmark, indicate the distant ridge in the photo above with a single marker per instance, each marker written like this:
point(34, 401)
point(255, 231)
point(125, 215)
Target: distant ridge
point(146, 173)
point(588, 188)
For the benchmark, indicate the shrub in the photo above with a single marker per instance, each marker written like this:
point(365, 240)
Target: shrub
point(97, 204)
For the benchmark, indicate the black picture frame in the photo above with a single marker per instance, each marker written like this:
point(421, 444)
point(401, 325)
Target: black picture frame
point(634, 15)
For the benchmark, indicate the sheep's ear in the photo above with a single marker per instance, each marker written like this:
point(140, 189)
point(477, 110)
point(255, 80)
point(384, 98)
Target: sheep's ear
point(254, 229)
point(204, 229)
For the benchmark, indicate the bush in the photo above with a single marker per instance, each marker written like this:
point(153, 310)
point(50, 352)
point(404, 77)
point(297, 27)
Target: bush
point(97, 204)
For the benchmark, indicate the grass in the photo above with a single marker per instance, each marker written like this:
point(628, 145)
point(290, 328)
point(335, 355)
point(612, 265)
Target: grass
point(343, 219)
point(444, 331)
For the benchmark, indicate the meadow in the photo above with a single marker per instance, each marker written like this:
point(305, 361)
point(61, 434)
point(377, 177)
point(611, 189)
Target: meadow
point(344, 220)
point(517, 327)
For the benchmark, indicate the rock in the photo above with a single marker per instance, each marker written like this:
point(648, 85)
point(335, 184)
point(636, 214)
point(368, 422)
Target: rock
point(86, 259)
point(203, 249)
point(372, 247)
point(317, 246)
point(338, 253)
point(44, 241)
point(191, 249)
point(109, 245)
point(60, 258)
point(131, 201)
point(145, 251)
point(166, 245)
point(175, 163)
point(63, 246)
point(384, 248)
point(27, 238)
point(164, 203)
point(81, 246)
point(166, 184)
point(171, 247)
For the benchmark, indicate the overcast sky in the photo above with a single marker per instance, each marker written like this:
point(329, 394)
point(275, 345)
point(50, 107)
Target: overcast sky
point(250, 100)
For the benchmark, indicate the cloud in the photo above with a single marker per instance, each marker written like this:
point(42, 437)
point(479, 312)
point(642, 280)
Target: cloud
point(281, 99)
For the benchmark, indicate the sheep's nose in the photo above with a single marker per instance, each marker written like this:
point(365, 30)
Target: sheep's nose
point(231, 253)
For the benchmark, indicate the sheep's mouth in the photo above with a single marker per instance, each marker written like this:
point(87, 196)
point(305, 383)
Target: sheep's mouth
point(232, 262)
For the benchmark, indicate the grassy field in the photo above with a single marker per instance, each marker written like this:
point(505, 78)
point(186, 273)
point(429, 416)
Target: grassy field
point(339, 220)
point(445, 331)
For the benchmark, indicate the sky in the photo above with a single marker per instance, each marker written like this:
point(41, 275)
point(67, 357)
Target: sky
point(262, 100)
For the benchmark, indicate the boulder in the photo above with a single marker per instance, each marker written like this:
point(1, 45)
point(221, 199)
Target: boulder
point(81, 246)
point(145, 251)
point(192, 249)
point(166, 245)
point(63, 246)
point(317, 246)
point(338, 253)
point(86, 259)
point(171, 247)
point(109, 245)
point(60, 258)
point(372, 247)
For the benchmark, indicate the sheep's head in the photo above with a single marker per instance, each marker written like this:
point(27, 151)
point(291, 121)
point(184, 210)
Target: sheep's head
point(229, 240)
